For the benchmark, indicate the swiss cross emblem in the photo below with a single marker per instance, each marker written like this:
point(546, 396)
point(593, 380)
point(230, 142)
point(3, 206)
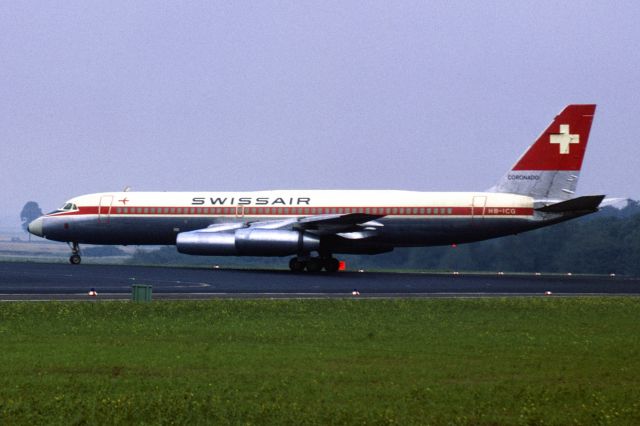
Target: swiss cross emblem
point(564, 139)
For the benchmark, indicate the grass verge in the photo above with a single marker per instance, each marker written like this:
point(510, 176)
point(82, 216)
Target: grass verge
point(425, 361)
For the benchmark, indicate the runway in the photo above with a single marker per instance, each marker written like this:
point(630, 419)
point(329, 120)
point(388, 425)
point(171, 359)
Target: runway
point(40, 281)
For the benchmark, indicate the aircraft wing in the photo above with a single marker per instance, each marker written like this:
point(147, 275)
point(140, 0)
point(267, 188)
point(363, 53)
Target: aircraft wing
point(350, 226)
point(326, 224)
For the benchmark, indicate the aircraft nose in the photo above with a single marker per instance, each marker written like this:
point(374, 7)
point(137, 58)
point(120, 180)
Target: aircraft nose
point(35, 227)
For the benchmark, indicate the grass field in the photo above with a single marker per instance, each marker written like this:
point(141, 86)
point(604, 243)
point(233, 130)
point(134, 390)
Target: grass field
point(355, 361)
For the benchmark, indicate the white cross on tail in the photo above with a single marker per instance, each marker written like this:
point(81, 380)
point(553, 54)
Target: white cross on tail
point(564, 139)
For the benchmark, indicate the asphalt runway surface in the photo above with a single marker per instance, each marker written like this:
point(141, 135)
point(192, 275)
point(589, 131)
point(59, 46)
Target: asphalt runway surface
point(41, 281)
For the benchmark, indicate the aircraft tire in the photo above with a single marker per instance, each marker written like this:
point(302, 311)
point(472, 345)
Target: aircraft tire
point(331, 265)
point(296, 265)
point(75, 259)
point(314, 265)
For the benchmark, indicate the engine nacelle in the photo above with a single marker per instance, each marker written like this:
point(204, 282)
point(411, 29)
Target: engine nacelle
point(247, 242)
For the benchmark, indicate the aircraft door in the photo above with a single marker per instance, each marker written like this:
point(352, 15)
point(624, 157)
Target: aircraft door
point(478, 206)
point(104, 209)
point(240, 211)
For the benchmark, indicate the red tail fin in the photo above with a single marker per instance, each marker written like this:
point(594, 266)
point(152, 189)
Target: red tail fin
point(563, 144)
point(550, 168)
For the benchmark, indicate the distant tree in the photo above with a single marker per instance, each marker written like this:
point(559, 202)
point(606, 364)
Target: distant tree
point(30, 211)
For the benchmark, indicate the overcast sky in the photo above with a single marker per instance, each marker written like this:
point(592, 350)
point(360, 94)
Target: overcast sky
point(96, 96)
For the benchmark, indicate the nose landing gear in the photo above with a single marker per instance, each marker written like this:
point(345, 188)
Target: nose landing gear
point(75, 258)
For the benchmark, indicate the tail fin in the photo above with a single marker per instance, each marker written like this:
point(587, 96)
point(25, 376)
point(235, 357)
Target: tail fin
point(550, 168)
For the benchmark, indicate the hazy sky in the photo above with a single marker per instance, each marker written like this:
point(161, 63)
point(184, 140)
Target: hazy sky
point(96, 96)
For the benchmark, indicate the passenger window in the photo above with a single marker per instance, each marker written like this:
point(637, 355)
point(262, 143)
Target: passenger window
point(449, 210)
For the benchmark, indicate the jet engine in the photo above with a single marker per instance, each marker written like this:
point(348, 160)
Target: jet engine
point(247, 242)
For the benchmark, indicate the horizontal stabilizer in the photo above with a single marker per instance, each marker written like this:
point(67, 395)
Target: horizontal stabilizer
point(588, 203)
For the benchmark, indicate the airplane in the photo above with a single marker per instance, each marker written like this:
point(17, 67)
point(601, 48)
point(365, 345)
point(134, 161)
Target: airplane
point(314, 225)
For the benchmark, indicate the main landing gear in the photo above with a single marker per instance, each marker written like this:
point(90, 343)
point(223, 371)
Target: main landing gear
point(314, 264)
point(75, 258)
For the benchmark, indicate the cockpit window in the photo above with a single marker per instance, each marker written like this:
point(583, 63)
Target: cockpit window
point(68, 207)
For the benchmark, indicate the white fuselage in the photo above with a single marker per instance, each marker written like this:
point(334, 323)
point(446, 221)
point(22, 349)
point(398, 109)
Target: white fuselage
point(399, 218)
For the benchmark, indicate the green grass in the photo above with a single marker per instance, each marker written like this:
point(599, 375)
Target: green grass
point(355, 361)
